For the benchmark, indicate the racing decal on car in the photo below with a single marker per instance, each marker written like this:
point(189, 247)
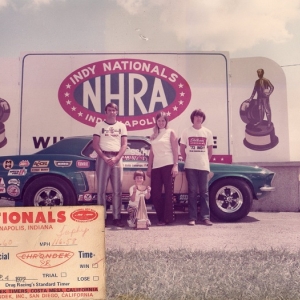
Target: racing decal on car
point(24, 163)
point(141, 152)
point(136, 157)
point(8, 164)
point(87, 197)
point(14, 181)
point(183, 197)
point(17, 172)
point(135, 165)
point(40, 170)
point(82, 164)
point(41, 163)
point(13, 190)
point(140, 87)
point(63, 164)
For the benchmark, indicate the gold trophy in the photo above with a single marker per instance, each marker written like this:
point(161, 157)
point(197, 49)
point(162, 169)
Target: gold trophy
point(142, 222)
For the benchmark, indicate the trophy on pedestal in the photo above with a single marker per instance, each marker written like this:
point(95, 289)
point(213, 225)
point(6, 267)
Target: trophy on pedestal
point(142, 217)
point(259, 133)
point(4, 115)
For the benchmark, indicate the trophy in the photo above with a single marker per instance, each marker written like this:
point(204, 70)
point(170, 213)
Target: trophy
point(4, 115)
point(142, 216)
point(259, 134)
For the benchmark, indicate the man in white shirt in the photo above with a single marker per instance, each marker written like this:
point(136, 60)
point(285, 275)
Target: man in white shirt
point(110, 143)
point(196, 146)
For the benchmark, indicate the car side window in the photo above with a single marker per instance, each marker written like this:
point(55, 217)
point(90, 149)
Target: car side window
point(89, 151)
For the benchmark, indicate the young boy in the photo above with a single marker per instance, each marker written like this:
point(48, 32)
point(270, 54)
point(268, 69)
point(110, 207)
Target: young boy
point(137, 191)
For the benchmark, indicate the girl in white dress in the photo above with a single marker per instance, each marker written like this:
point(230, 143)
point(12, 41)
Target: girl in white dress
point(137, 191)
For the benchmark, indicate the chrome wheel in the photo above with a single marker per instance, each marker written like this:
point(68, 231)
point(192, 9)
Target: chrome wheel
point(48, 196)
point(49, 191)
point(229, 199)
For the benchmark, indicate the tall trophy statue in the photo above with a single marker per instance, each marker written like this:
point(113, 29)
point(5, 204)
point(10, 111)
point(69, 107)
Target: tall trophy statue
point(259, 132)
point(4, 115)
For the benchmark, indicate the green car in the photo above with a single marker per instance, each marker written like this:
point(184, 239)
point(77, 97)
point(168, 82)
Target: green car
point(64, 174)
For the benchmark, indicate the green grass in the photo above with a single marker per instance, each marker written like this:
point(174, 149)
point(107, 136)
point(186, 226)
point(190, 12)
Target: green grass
point(216, 275)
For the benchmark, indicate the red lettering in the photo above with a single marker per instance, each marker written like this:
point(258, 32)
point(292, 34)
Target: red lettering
point(40, 218)
point(32, 217)
point(50, 218)
point(14, 217)
point(27, 217)
point(61, 217)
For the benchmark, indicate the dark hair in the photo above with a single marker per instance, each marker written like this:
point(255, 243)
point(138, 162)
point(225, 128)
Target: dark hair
point(262, 70)
point(113, 105)
point(139, 173)
point(198, 112)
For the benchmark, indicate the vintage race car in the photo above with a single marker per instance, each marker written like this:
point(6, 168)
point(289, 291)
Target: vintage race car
point(64, 174)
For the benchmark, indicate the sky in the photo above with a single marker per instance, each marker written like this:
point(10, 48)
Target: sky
point(264, 28)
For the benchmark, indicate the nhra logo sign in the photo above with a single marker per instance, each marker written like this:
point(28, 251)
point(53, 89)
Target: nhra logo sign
point(140, 88)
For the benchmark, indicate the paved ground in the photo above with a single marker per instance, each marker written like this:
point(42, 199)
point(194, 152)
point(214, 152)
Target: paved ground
point(260, 230)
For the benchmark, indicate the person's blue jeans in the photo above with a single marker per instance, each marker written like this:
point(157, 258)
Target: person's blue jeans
point(197, 179)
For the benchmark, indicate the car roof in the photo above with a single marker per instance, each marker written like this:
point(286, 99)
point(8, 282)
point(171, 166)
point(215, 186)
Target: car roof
point(74, 145)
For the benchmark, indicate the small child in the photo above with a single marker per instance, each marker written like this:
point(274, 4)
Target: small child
point(135, 192)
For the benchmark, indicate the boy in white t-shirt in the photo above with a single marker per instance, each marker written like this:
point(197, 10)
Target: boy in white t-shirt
point(196, 146)
point(137, 191)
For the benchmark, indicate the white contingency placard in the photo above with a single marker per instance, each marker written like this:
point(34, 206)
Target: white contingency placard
point(52, 253)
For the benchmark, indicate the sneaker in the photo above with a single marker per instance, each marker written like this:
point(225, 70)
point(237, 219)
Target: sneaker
point(191, 223)
point(161, 224)
point(207, 222)
point(118, 223)
point(130, 223)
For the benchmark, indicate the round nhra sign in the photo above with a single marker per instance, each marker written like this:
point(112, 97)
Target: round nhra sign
point(140, 88)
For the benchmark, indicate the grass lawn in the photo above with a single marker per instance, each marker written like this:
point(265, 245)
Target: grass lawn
point(183, 274)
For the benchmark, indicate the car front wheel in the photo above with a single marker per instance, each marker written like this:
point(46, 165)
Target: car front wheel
point(230, 199)
point(49, 191)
